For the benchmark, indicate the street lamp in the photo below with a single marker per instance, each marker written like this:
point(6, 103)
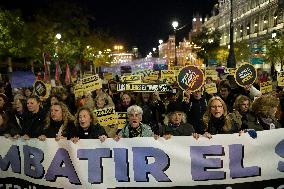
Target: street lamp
point(58, 36)
point(175, 25)
point(231, 62)
point(160, 41)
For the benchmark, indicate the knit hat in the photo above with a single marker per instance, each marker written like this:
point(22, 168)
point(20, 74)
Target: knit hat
point(175, 107)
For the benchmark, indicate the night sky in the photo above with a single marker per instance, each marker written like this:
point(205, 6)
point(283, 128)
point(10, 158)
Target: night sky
point(133, 22)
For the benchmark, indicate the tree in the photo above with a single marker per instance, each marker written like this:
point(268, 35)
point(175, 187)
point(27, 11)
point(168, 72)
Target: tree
point(11, 35)
point(206, 43)
point(275, 50)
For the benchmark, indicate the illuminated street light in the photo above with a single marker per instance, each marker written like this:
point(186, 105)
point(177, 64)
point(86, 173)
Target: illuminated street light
point(160, 41)
point(175, 25)
point(58, 36)
point(154, 49)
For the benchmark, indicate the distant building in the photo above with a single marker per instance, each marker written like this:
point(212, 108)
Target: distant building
point(184, 49)
point(135, 52)
point(254, 20)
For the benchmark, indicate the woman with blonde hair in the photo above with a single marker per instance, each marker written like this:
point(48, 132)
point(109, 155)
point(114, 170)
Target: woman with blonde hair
point(216, 119)
point(264, 109)
point(59, 123)
point(103, 100)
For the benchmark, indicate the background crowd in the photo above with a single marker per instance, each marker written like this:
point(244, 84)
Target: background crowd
point(150, 114)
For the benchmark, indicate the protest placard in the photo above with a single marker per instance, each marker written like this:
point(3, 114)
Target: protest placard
point(245, 75)
point(211, 73)
point(210, 88)
point(190, 78)
point(106, 116)
point(266, 87)
point(131, 79)
point(280, 79)
point(143, 87)
point(42, 89)
point(121, 119)
point(168, 76)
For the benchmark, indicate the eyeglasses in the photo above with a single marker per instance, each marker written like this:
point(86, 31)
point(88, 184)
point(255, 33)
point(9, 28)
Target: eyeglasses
point(215, 107)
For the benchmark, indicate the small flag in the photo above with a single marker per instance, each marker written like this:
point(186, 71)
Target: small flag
point(57, 71)
point(67, 75)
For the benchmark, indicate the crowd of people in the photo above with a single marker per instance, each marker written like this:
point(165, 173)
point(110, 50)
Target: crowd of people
point(150, 114)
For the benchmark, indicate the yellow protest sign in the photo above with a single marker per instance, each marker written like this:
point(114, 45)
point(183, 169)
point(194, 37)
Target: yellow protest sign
point(210, 88)
point(168, 76)
point(106, 116)
point(131, 79)
point(280, 79)
point(211, 73)
point(266, 87)
point(78, 90)
point(121, 118)
point(42, 89)
point(89, 83)
point(154, 76)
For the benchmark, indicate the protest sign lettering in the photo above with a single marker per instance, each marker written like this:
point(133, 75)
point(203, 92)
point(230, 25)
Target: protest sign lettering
point(131, 79)
point(106, 116)
point(121, 119)
point(143, 87)
point(280, 79)
point(210, 88)
point(266, 87)
point(168, 76)
point(41, 89)
point(245, 75)
point(190, 78)
point(211, 73)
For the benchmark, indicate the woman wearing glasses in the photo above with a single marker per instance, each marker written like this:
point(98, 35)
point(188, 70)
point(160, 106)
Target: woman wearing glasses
point(216, 119)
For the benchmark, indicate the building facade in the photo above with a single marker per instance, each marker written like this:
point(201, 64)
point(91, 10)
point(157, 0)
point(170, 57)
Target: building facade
point(253, 20)
point(184, 49)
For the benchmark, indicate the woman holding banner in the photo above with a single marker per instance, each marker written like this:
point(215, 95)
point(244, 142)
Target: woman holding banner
point(216, 119)
point(58, 123)
point(176, 124)
point(86, 127)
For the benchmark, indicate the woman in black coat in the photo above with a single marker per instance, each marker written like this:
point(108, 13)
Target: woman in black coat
point(176, 124)
point(86, 128)
point(59, 123)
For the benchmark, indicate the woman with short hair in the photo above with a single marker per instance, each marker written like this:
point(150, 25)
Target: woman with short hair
point(134, 127)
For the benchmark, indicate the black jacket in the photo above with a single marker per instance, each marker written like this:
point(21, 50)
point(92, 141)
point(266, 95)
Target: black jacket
point(53, 129)
point(184, 129)
point(33, 124)
point(93, 132)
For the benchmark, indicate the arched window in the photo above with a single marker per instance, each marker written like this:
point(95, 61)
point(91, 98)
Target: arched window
point(256, 25)
point(248, 28)
point(265, 22)
point(241, 32)
point(275, 16)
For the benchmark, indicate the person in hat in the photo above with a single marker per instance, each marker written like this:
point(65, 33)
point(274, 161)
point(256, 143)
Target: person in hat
point(175, 123)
